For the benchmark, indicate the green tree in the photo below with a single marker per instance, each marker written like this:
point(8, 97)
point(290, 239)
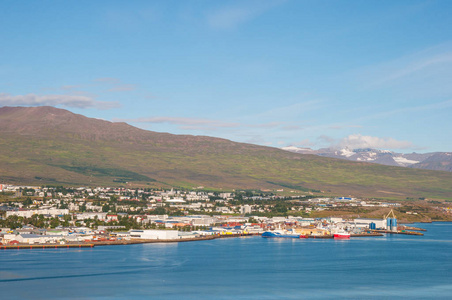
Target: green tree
point(28, 202)
point(106, 208)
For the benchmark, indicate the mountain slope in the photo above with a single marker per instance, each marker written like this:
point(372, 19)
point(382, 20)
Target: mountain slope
point(439, 161)
point(43, 145)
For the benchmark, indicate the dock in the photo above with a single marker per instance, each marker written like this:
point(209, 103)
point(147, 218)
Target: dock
point(399, 232)
point(353, 235)
point(45, 246)
point(120, 242)
point(403, 227)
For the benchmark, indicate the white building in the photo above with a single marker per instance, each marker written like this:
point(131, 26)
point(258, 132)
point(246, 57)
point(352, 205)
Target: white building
point(245, 209)
point(154, 234)
point(54, 212)
point(365, 222)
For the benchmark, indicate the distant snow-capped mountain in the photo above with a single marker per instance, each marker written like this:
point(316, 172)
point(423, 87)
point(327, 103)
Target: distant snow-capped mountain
point(440, 161)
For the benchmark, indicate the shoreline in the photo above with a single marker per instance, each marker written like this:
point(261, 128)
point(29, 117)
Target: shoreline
point(153, 241)
point(119, 243)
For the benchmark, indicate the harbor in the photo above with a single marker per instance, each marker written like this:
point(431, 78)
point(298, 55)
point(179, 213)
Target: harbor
point(231, 264)
point(233, 227)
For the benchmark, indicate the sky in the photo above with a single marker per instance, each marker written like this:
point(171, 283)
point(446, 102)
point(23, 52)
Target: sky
point(356, 74)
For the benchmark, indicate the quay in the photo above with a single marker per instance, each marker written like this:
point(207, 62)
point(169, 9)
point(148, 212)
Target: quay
point(120, 242)
point(399, 232)
point(330, 236)
point(404, 227)
point(45, 246)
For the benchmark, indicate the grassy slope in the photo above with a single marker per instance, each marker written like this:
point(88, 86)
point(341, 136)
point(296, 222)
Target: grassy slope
point(218, 164)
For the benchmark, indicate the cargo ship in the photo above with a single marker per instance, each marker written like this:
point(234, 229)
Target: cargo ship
point(282, 234)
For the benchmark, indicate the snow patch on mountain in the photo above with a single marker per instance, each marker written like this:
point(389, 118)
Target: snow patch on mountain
point(346, 152)
point(297, 149)
point(432, 161)
point(403, 161)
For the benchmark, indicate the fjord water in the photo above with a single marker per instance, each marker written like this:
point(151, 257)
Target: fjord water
point(393, 266)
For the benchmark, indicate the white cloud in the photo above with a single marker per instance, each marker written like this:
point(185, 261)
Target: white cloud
point(355, 141)
point(75, 101)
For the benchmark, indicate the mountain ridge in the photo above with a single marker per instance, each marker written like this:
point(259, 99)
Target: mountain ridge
point(46, 145)
point(438, 161)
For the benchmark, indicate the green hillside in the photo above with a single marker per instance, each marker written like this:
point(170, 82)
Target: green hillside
point(51, 146)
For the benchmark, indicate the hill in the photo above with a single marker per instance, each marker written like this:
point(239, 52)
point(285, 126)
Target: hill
point(46, 145)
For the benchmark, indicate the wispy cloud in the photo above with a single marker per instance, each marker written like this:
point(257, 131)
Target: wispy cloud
point(418, 66)
point(110, 80)
point(425, 68)
point(130, 19)
point(291, 127)
point(404, 110)
point(188, 122)
point(116, 84)
point(230, 17)
point(123, 88)
point(265, 125)
point(75, 101)
point(343, 126)
point(355, 141)
point(203, 124)
point(292, 110)
point(70, 87)
point(304, 143)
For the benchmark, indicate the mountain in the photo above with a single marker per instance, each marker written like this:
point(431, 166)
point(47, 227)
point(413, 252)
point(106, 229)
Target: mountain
point(46, 145)
point(439, 161)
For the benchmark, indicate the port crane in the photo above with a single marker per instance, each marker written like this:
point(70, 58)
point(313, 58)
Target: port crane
point(389, 214)
point(391, 221)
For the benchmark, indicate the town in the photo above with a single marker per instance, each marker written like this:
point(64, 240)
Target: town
point(61, 215)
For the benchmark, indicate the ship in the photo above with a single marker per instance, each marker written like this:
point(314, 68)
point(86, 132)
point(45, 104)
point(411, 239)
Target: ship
point(282, 234)
point(341, 235)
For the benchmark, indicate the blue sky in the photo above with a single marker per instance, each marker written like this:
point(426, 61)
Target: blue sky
point(277, 73)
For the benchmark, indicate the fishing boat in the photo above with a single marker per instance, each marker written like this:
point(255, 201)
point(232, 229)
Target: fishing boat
point(341, 235)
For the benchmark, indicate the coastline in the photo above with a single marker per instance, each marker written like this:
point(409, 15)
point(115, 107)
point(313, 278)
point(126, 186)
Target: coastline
point(153, 241)
point(119, 243)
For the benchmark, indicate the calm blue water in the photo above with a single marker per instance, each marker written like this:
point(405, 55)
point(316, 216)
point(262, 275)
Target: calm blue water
point(238, 268)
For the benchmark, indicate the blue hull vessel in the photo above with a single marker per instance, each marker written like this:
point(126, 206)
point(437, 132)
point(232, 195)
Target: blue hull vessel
point(280, 234)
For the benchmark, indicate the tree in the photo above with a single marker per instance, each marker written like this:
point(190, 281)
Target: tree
point(28, 201)
point(106, 208)
point(160, 211)
point(54, 222)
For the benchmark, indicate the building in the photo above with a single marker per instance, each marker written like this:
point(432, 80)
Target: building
point(365, 222)
point(245, 209)
point(54, 212)
point(154, 234)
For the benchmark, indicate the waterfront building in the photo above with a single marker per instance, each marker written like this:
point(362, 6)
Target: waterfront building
point(154, 234)
point(365, 222)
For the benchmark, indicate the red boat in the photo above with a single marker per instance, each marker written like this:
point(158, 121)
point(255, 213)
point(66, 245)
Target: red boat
point(342, 235)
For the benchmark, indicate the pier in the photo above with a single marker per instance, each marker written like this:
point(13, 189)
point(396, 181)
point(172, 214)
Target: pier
point(398, 232)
